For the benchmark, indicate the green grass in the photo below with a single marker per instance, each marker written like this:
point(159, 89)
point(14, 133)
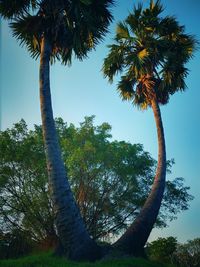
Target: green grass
point(47, 260)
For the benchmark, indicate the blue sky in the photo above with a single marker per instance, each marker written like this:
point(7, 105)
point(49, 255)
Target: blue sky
point(81, 91)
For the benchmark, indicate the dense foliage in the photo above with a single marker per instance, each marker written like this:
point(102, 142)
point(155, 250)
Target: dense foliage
point(188, 254)
point(73, 28)
point(110, 180)
point(162, 249)
point(168, 250)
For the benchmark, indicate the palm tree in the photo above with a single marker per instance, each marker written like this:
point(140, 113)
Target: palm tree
point(150, 51)
point(59, 29)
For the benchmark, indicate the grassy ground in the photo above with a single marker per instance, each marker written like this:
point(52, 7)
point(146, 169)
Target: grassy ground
point(47, 260)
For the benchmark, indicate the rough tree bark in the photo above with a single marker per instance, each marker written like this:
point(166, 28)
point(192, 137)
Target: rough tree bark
point(74, 238)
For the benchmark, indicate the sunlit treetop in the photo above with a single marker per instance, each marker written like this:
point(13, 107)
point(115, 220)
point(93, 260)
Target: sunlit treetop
point(71, 26)
point(150, 52)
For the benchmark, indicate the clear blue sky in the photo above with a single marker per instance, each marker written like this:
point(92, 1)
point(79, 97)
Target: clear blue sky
point(81, 91)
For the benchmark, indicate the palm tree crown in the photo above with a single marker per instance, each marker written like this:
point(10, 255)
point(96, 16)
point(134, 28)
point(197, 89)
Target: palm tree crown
point(71, 26)
point(151, 51)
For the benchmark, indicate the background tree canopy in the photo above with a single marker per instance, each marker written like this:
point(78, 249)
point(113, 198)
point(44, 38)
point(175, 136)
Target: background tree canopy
point(168, 250)
point(110, 180)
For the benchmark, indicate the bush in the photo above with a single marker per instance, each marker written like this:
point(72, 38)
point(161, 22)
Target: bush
point(162, 249)
point(15, 244)
point(188, 255)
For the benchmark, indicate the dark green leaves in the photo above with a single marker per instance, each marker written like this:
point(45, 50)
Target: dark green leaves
point(122, 31)
point(126, 87)
point(110, 180)
point(156, 7)
point(14, 8)
point(114, 62)
point(153, 51)
point(162, 249)
point(86, 2)
point(72, 27)
point(28, 31)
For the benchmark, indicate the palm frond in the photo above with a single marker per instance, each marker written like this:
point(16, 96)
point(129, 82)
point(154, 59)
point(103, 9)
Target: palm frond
point(125, 87)
point(114, 62)
point(169, 27)
point(137, 10)
point(13, 8)
point(88, 23)
point(187, 46)
point(140, 99)
point(173, 77)
point(156, 8)
point(28, 30)
point(122, 31)
point(138, 60)
point(134, 24)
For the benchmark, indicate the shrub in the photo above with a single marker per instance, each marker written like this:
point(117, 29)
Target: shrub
point(162, 249)
point(15, 244)
point(188, 255)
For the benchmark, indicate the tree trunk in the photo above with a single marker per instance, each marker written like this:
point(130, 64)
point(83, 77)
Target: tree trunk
point(134, 239)
point(74, 238)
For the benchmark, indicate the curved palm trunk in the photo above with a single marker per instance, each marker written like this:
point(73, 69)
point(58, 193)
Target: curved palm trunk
point(71, 230)
point(134, 239)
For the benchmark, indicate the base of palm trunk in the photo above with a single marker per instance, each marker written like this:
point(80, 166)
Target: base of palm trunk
point(87, 252)
point(92, 252)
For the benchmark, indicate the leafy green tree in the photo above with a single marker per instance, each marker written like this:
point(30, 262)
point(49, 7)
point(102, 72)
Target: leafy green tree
point(162, 249)
point(151, 51)
point(59, 29)
point(110, 181)
point(15, 244)
point(24, 198)
point(188, 254)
